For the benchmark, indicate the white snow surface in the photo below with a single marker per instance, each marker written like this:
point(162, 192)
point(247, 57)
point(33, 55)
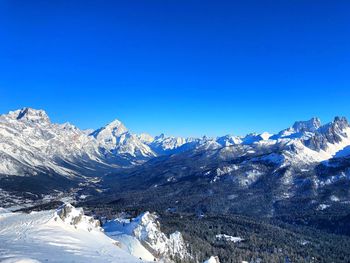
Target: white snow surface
point(212, 259)
point(143, 238)
point(20, 260)
point(45, 237)
point(322, 207)
point(229, 238)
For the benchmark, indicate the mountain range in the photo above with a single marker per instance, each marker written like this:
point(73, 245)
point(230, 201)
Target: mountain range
point(31, 144)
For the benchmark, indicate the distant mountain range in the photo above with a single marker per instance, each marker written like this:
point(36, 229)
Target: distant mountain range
point(31, 144)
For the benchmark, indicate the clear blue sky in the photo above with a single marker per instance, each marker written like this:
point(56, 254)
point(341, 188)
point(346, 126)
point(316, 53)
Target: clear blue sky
point(179, 67)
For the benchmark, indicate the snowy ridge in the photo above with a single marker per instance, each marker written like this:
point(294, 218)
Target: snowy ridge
point(163, 144)
point(148, 241)
point(75, 217)
point(46, 237)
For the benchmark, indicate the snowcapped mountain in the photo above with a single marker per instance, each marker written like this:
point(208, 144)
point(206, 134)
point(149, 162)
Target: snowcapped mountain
point(163, 144)
point(115, 138)
point(229, 140)
point(30, 145)
point(305, 141)
point(312, 142)
point(302, 127)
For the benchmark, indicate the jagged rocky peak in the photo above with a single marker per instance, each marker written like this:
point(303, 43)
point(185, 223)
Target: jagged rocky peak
point(337, 126)
point(335, 132)
point(148, 231)
point(108, 133)
point(75, 217)
point(115, 128)
point(307, 126)
point(70, 214)
point(116, 138)
point(341, 122)
point(300, 128)
point(30, 115)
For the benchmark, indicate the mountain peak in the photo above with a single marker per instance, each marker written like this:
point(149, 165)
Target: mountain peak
point(307, 126)
point(117, 126)
point(114, 128)
point(115, 123)
point(341, 121)
point(32, 115)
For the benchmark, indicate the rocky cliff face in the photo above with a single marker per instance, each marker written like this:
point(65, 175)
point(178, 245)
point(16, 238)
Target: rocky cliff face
point(76, 217)
point(147, 231)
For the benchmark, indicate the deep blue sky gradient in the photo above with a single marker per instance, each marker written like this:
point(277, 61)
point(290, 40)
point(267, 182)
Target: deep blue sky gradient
point(180, 67)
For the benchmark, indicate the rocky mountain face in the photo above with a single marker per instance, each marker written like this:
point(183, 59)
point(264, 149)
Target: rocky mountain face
point(147, 230)
point(147, 238)
point(116, 139)
point(31, 145)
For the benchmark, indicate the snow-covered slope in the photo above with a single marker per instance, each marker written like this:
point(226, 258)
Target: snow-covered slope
point(65, 235)
point(143, 238)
